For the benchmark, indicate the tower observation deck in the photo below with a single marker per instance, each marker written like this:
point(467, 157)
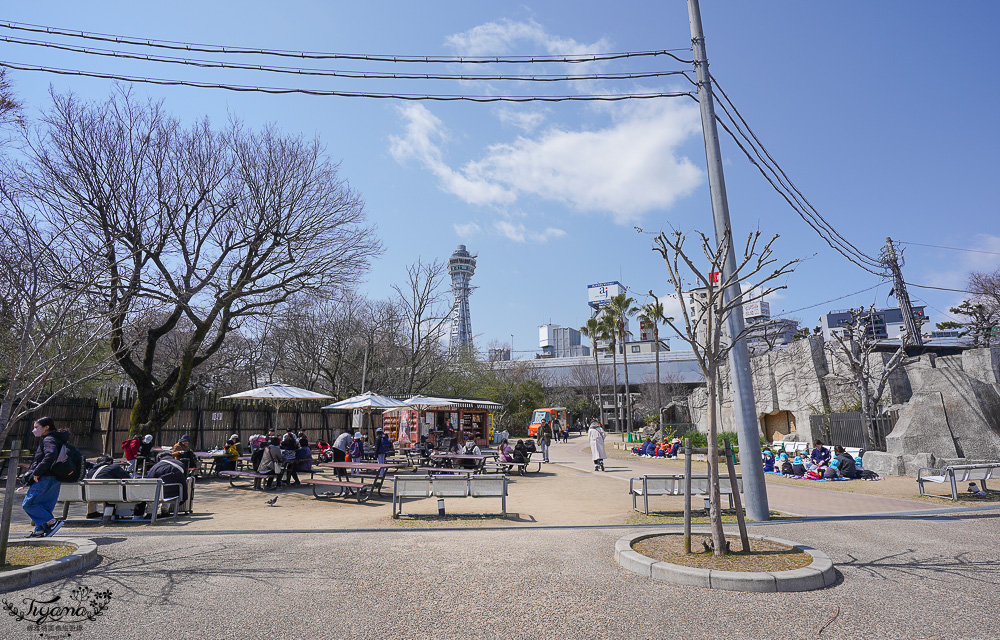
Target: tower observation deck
point(461, 266)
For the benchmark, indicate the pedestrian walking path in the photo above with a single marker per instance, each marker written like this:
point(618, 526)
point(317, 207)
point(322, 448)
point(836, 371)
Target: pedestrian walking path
point(789, 499)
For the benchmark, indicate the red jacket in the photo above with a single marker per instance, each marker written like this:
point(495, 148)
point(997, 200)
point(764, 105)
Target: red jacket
point(131, 448)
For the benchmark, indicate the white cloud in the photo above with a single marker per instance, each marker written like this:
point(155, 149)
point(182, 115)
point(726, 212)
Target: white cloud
point(519, 233)
point(497, 38)
point(424, 132)
point(625, 170)
point(467, 230)
point(520, 118)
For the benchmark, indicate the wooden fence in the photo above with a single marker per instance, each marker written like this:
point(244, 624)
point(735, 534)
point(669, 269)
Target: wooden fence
point(208, 421)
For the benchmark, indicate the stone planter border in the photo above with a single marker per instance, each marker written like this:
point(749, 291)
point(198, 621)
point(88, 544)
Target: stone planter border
point(83, 558)
point(817, 575)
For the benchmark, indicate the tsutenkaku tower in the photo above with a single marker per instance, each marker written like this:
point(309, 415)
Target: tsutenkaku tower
point(461, 266)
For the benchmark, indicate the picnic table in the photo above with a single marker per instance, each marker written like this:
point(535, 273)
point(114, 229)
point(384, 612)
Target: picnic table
point(449, 460)
point(374, 471)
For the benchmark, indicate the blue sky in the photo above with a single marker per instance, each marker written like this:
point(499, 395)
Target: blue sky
point(883, 114)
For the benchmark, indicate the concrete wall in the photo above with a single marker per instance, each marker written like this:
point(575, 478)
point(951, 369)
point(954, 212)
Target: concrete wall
point(949, 406)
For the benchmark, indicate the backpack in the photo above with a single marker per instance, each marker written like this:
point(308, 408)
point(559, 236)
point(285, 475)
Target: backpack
point(867, 474)
point(68, 466)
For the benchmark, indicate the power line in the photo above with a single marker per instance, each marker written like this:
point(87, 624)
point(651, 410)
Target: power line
point(792, 195)
point(213, 64)
point(316, 55)
point(610, 97)
point(935, 246)
point(831, 300)
point(801, 213)
point(927, 286)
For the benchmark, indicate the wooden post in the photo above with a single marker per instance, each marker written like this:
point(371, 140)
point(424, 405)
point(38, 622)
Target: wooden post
point(737, 502)
point(687, 495)
point(8, 502)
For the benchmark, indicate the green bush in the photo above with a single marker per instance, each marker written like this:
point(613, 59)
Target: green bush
point(699, 440)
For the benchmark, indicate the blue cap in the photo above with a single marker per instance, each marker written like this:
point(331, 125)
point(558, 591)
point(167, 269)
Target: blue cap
point(784, 456)
point(857, 460)
point(798, 460)
point(835, 463)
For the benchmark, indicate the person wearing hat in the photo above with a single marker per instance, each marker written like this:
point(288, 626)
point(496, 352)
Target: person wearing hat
point(182, 451)
point(596, 435)
point(357, 448)
point(798, 469)
point(832, 472)
point(232, 449)
point(768, 456)
point(785, 464)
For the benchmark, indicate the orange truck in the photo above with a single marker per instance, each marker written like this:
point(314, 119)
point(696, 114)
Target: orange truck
point(540, 416)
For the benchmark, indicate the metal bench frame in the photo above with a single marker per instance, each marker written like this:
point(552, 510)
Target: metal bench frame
point(958, 473)
point(428, 486)
point(673, 485)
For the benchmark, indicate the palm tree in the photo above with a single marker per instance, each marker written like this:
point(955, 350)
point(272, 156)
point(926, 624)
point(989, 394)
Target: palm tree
point(653, 313)
point(608, 330)
point(619, 308)
point(594, 330)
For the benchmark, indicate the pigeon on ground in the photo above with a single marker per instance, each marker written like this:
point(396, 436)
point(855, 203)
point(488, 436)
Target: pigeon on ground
point(271, 502)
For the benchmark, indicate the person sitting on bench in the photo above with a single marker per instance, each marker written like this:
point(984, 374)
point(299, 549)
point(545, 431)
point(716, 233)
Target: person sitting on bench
point(505, 451)
point(104, 468)
point(471, 449)
point(171, 470)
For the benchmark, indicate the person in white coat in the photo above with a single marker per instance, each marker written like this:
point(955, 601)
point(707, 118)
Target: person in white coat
point(597, 435)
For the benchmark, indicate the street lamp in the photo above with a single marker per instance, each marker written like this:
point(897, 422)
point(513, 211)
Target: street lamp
point(512, 346)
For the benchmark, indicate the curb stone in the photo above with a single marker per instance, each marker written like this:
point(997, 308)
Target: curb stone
point(817, 575)
point(84, 557)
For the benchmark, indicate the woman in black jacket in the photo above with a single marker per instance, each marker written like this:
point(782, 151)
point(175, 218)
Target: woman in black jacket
point(43, 492)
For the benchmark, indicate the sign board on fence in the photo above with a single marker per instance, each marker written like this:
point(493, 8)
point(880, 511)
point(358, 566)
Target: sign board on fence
point(216, 417)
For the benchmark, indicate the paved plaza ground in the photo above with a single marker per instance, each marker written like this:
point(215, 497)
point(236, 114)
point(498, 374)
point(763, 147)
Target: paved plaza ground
point(910, 568)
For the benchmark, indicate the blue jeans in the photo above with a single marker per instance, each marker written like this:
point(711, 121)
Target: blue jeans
point(41, 500)
point(545, 451)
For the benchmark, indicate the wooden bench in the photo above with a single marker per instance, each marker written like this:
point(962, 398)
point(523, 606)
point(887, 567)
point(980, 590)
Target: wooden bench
point(447, 471)
point(244, 475)
point(673, 485)
point(502, 466)
point(357, 489)
point(126, 491)
point(958, 474)
point(427, 486)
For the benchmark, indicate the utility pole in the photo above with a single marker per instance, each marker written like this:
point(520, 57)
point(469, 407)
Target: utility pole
point(754, 488)
point(891, 261)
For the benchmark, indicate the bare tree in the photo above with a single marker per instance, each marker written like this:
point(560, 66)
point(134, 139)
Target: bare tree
point(755, 268)
point(869, 370)
point(52, 337)
point(196, 229)
point(426, 312)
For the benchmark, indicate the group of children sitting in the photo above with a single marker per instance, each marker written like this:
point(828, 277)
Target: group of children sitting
point(818, 465)
point(651, 449)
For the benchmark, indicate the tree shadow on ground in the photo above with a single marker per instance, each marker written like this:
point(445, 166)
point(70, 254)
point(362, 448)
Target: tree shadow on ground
point(937, 567)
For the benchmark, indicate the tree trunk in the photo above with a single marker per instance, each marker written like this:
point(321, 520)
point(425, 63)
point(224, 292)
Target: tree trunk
point(600, 395)
point(628, 394)
point(866, 415)
point(614, 367)
point(715, 510)
point(659, 403)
